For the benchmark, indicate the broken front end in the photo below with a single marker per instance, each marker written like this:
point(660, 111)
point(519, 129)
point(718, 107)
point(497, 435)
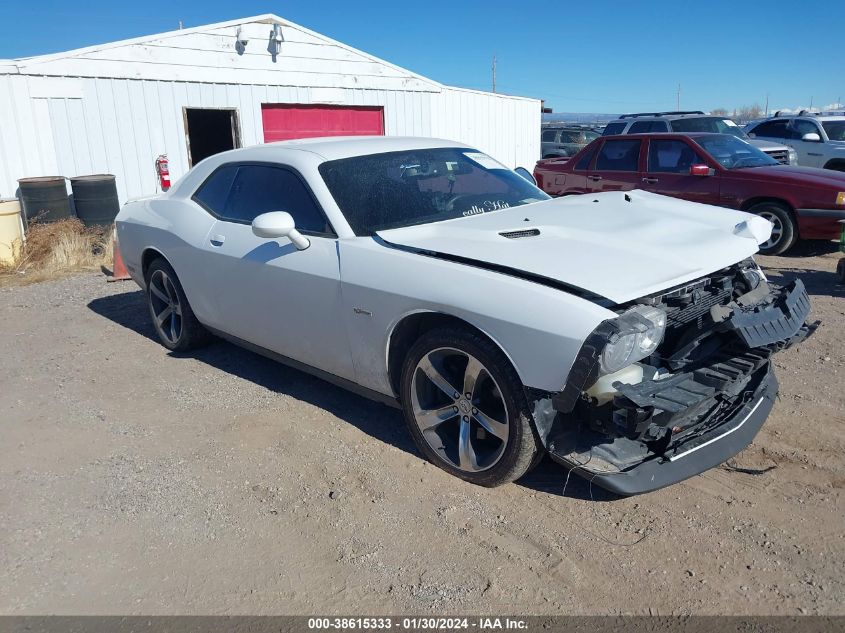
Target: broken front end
point(677, 383)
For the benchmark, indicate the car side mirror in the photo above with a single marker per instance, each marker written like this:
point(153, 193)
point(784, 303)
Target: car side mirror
point(278, 224)
point(527, 175)
point(811, 137)
point(701, 170)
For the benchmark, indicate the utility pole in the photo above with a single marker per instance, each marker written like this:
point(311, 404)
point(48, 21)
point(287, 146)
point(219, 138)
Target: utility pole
point(811, 103)
point(767, 104)
point(679, 98)
point(494, 73)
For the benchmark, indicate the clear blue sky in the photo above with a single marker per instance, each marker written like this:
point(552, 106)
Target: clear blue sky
point(596, 56)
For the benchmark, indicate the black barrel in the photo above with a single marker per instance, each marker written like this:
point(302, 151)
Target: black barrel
point(45, 198)
point(95, 199)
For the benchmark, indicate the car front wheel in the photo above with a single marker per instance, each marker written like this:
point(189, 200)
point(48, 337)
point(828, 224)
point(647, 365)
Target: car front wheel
point(466, 409)
point(174, 321)
point(784, 232)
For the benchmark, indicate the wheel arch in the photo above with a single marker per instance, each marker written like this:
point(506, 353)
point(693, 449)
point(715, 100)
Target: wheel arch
point(790, 208)
point(747, 204)
point(413, 325)
point(148, 256)
point(837, 164)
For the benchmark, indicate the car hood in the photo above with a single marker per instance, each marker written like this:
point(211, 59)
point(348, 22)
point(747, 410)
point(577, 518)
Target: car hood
point(796, 175)
point(620, 246)
point(764, 145)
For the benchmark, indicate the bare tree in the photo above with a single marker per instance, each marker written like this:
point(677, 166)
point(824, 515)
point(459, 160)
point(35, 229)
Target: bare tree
point(719, 112)
point(749, 113)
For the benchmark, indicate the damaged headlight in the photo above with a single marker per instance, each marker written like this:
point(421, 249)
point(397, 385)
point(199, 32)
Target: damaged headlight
point(640, 331)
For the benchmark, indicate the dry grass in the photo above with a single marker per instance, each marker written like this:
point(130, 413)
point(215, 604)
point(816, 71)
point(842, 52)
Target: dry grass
point(56, 249)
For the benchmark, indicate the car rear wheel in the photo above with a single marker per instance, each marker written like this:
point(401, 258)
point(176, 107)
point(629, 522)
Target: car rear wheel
point(466, 409)
point(784, 233)
point(174, 321)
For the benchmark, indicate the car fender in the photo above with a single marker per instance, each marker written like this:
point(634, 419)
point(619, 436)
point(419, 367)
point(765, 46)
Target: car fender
point(176, 230)
point(540, 328)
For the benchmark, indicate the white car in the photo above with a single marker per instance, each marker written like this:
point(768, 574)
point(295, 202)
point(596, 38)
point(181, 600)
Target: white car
point(628, 335)
point(817, 137)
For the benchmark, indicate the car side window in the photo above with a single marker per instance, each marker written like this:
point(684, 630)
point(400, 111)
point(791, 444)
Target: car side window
point(671, 156)
point(259, 189)
point(614, 128)
point(643, 127)
point(214, 192)
point(584, 162)
point(619, 155)
point(800, 127)
point(773, 129)
point(549, 136)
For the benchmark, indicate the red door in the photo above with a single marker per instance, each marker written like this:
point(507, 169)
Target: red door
point(668, 171)
point(617, 166)
point(283, 121)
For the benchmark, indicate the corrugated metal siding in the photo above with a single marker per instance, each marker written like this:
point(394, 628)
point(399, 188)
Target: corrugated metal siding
point(99, 121)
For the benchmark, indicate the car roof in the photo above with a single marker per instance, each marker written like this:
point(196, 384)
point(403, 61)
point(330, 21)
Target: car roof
point(336, 147)
point(658, 135)
point(811, 116)
point(669, 116)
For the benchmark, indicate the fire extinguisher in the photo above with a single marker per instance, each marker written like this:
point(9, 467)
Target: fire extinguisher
point(163, 171)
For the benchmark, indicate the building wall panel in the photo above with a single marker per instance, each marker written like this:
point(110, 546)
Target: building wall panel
point(114, 109)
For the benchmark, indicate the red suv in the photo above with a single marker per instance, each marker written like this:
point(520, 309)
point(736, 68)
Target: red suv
point(717, 169)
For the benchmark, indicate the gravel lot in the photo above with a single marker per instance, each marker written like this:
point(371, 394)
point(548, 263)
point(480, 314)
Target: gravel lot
point(133, 481)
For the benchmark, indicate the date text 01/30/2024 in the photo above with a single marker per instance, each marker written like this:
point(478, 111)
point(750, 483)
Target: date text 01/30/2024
point(417, 623)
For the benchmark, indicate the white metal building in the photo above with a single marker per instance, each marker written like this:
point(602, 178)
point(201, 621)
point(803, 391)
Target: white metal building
point(114, 108)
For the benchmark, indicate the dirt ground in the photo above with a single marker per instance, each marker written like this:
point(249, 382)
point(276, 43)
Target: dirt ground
point(133, 481)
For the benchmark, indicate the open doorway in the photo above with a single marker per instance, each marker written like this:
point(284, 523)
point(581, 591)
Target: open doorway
point(210, 131)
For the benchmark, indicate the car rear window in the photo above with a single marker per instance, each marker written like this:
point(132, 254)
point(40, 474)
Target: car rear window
point(619, 155)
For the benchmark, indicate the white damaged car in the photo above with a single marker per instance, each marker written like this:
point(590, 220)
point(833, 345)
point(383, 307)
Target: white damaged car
point(628, 335)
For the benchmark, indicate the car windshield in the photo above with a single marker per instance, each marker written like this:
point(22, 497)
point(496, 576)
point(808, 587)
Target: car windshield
point(835, 130)
point(713, 124)
point(396, 189)
point(734, 153)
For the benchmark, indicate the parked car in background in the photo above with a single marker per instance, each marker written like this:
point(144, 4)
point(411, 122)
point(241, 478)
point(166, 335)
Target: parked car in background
point(427, 275)
point(696, 121)
point(818, 138)
point(714, 169)
point(565, 140)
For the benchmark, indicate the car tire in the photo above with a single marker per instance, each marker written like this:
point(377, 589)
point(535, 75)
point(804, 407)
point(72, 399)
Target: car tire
point(784, 233)
point(487, 438)
point(174, 321)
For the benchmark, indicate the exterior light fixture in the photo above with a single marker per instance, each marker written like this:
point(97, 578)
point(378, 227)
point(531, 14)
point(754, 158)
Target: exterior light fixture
point(242, 39)
point(276, 39)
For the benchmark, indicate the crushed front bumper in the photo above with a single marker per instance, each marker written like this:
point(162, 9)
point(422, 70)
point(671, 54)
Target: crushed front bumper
point(669, 428)
point(691, 458)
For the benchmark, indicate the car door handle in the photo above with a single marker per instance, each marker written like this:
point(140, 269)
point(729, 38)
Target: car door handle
point(594, 178)
point(650, 181)
point(217, 240)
